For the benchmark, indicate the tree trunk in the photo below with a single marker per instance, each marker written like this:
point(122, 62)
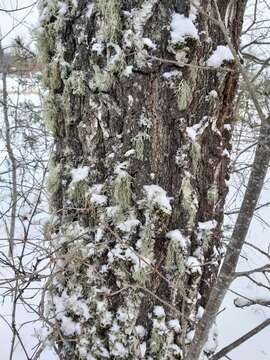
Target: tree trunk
point(138, 176)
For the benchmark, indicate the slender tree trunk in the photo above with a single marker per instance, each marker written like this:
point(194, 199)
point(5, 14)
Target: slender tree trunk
point(227, 271)
point(138, 178)
point(11, 156)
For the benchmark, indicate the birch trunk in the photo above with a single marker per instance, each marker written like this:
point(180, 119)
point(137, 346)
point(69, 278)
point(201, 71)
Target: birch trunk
point(138, 176)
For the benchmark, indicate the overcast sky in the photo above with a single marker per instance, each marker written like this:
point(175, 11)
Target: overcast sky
point(18, 22)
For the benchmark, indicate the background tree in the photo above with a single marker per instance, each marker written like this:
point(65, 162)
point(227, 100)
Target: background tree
point(141, 104)
point(24, 149)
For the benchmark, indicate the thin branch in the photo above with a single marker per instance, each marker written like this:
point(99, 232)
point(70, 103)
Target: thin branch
point(19, 9)
point(250, 272)
point(241, 340)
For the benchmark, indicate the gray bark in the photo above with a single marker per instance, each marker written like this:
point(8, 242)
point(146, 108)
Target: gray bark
point(144, 119)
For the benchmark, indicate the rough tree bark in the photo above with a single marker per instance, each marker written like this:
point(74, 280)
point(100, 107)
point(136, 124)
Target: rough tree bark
point(138, 176)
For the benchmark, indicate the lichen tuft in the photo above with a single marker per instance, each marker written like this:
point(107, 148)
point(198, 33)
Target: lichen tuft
point(111, 16)
point(184, 94)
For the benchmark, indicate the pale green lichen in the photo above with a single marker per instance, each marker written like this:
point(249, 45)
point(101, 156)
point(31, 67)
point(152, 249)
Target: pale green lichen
point(206, 236)
point(77, 192)
point(54, 177)
point(46, 43)
point(115, 214)
point(213, 194)
point(51, 6)
point(54, 75)
point(157, 342)
point(184, 94)
point(146, 245)
point(139, 144)
point(76, 83)
point(46, 73)
point(55, 69)
point(141, 275)
point(159, 336)
point(111, 17)
point(174, 262)
point(147, 242)
point(122, 192)
point(206, 240)
point(189, 202)
point(51, 110)
point(193, 72)
point(103, 79)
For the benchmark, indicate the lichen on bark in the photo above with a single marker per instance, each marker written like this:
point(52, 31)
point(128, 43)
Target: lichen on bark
point(115, 109)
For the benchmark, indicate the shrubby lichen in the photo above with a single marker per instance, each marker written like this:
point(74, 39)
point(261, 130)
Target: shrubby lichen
point(111, 17)
point(159, 333)
point(122, 192)
point(51, 112)
point(77, 192)
point(46, 43)
point(76, 83)
point(184, 94)
point(174, 262)
point(54, 177)
point(189, 201)
point(139, 145)
point(54, 75)
point(103, 78)
point(213, 194)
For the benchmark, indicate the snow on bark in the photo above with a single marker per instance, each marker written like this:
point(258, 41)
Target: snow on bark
point(182, 27)
point(221, 54)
